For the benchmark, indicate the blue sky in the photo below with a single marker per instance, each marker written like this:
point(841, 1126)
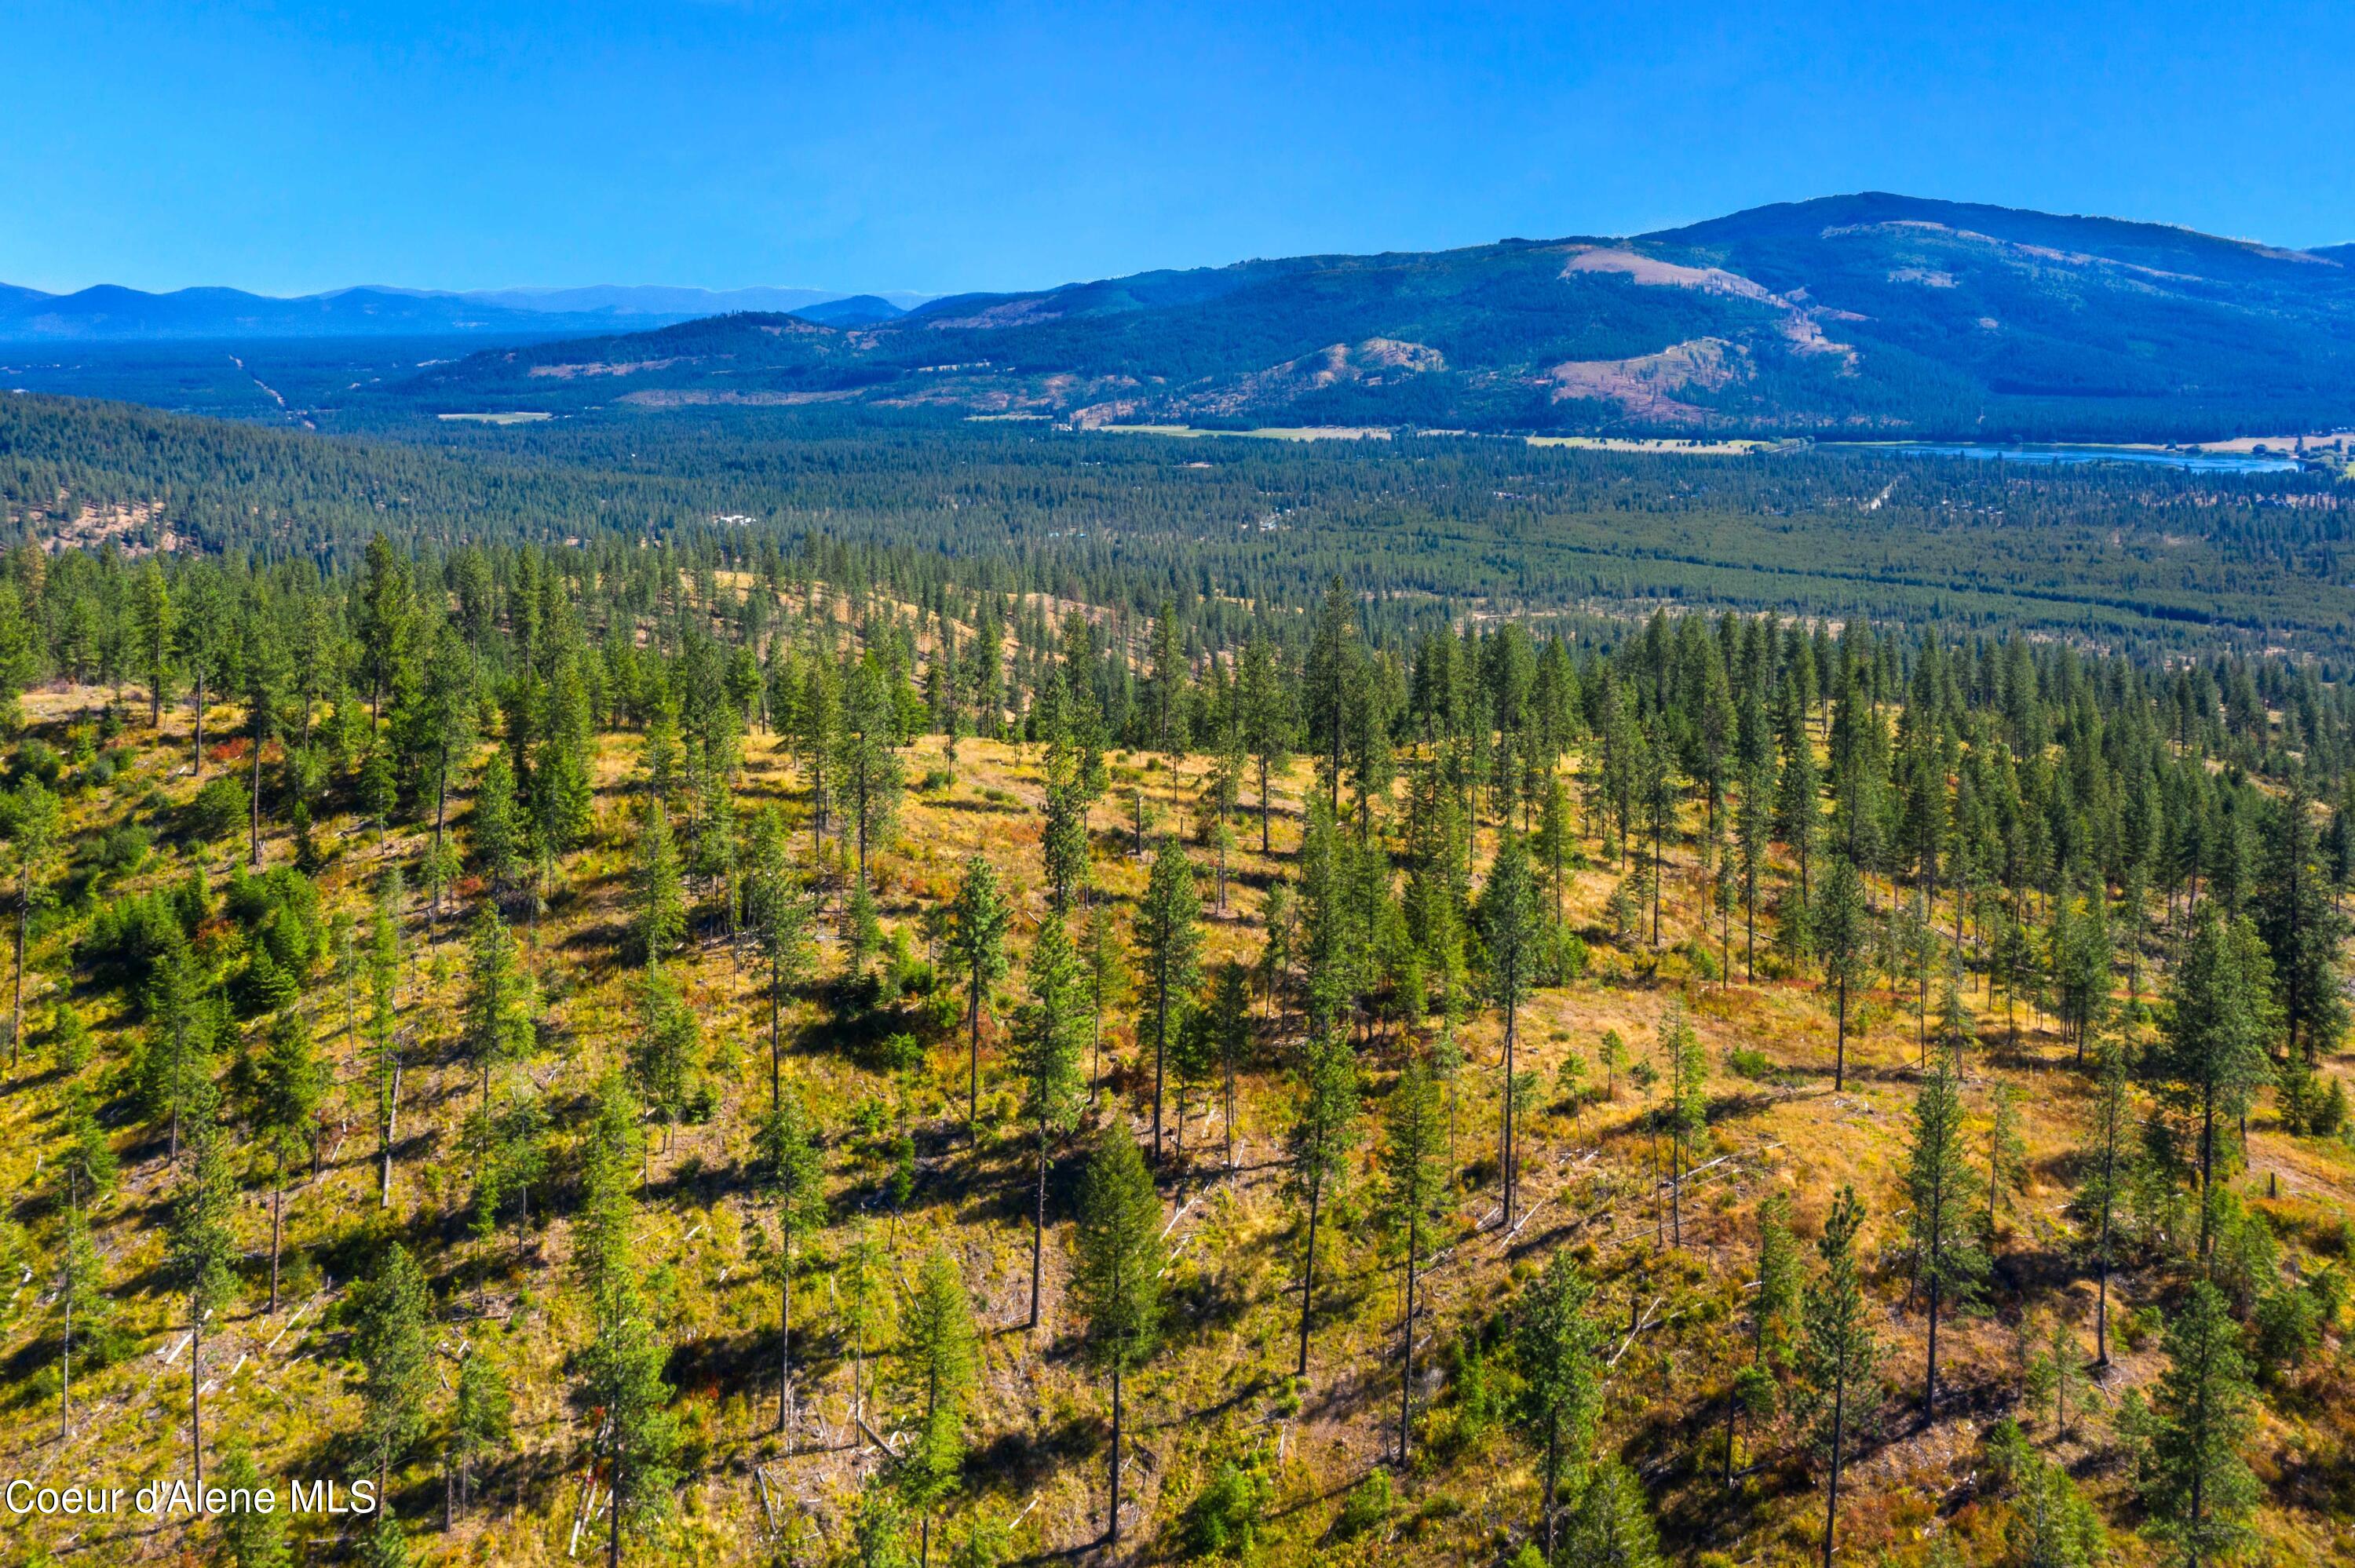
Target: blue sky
point(291, 147)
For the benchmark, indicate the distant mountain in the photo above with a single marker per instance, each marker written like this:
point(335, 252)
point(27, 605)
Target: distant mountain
point(859, 310)
point(109, 313)
point(1865, 315)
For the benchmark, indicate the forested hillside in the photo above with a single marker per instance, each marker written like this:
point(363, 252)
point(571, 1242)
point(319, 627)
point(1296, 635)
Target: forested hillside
point(1848, 316)
point(1433, 529)
point(749, 1043)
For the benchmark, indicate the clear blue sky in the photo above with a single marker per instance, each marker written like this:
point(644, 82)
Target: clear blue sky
point(294, 146)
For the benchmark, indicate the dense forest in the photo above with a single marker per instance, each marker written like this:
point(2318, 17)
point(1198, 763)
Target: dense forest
point(942, 992)
point(2140, 560)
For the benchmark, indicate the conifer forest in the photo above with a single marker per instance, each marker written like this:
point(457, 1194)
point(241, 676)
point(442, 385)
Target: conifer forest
point(888, 992)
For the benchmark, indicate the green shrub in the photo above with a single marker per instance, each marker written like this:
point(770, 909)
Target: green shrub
point(1746, 1062)
point(1366, 1509)
point(1225, 1517)
point(220, 807)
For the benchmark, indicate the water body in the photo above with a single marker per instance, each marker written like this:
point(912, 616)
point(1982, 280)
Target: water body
point(2202, 462)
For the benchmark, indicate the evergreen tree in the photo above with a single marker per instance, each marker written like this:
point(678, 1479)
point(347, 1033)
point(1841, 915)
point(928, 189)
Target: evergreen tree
point(31, 821)
point(1170, 946)
point(482, 1419)
point(2104, 1162)
point(937, 1363)
point(794, 1172)
point(659, 920)
point(977, 941)
point(1842, 924)
point(495, 830)
point(1840, 1354)
point(621, 1368)
point(1684, 1070)
point(1557, 1344)
point(1048, 1056)
point(1507, 919)
point(2199, 1489)
point(777, 915)
point(1323, 1130)
point(1413, 1187)
point(1265, 701)
point(1116, 1282)
point(390, 1340)
point(1611, 1522)
point(1947, 1262)
point(250, 1536)
point(287, 1084)
point(203, 1250)
point(383, 1034)
point(2211, 1058)
point(663, 1049)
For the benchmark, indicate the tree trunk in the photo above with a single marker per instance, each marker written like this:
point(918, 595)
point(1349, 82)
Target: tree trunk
point(1839, 1433)
point(1406, 1377)
point(1308, 1277)
point(1039, 1227)
point(277, 1208)
point(196, 1398)
point(1112, 1531)
point(254, 806)
point(785, 1339)
point(1505, 1153)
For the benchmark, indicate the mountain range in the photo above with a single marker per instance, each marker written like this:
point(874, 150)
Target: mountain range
point(1865, 316)
point(1869, 316)
point(109, 313)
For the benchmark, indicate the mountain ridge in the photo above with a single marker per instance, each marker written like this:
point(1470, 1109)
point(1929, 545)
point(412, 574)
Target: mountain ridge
point(110, 312)
point(1869, 315)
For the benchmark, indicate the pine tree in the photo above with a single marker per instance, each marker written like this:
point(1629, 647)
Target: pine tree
point(384, 1026)
point(250, 1537)
point(2199, 1489)
point(1611, 1522)
point(777, 915)
point(203, 1249)
point(1229, 1019)
point(870, 768)
point(496, 1031)
point(1841, 929)
point(1047, 1046)
point(664, 1050)
point(2211, 1058)
point(1686, 1110)
point(1557, 1344)
point(32, 823)
point(1507, 919)
point(289, 1082)
point(2105, 1161)
point(1266, 704)
point(390, 1340)
point(1772, 1307)
point(659, 919)
point(1947, 1262)
point(495, 830)
point(154, 636)
point(1116, 1280)
point(977, 942)
point(1323, 1130)
point(794, 1170)
point(1170, 946)
point(622, 1366)
point(1413, 1187)
point(482, 1419)
point(937, 1363)
point(1840, 1354)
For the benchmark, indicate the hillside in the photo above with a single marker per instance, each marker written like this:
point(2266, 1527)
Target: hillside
point(1865, 315)
point(652, 810)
